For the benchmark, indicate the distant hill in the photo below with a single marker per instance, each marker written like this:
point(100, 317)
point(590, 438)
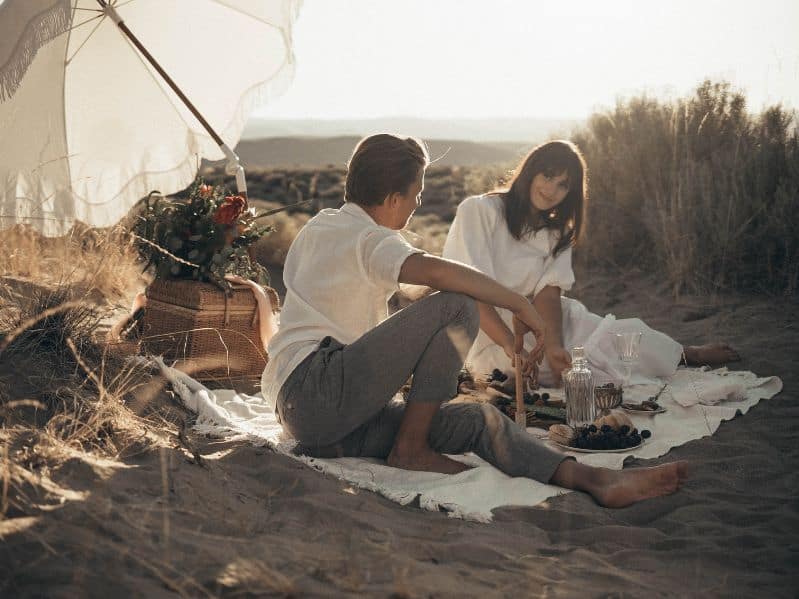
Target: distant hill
point(522, 130)
point(323, 151)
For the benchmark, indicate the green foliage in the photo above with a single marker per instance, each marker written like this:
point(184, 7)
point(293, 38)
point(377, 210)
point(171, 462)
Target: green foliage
point(203, 237)
point(697, 187)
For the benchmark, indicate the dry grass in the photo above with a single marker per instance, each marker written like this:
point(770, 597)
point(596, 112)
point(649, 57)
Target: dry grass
point(61, 390)
point(697, 188)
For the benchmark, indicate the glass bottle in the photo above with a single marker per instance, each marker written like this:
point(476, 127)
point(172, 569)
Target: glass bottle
point(579, 386)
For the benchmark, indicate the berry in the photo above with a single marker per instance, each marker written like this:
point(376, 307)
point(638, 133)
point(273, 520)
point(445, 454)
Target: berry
point(528, 399)
point(584, 431)
point(606, 428)
point(545, 396)
point(624, 429)
point(592, 428)
point(635, 439)
point(645, 434)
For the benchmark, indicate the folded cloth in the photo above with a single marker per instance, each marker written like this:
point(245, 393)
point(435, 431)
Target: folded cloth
point(473, 494)
point(707, 391)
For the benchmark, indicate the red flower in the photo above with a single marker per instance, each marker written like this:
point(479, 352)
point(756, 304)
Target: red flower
point(229, 211)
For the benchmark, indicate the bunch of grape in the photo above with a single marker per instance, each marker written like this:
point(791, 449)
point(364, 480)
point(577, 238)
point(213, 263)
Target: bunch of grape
point(496, 375)
point(606, 437)
point(537, 399)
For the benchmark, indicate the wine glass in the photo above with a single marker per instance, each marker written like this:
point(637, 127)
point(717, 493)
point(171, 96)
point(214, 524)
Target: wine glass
point(627, 346)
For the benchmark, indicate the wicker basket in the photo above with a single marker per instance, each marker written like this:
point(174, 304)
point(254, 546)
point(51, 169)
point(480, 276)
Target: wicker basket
point(207, 333)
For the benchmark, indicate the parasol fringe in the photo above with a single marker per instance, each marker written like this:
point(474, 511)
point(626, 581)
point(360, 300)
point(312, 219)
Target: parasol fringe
point(47, 25)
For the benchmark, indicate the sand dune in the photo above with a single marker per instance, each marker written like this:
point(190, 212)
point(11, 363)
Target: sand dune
point(207, 518)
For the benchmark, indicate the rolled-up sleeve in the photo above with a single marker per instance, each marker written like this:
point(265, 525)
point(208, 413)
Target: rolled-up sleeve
point(382, 252)
point(470, 236)
point(557, 273)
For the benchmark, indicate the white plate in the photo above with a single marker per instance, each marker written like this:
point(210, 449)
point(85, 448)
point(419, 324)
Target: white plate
point(578, 450)
point(644, 412)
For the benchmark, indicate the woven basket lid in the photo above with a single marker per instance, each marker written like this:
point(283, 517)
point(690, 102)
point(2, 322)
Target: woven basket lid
point(200, 296)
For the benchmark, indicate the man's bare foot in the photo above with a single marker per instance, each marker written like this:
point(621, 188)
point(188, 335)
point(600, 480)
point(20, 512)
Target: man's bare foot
point(425, 461)
point(620, 488)
point(710, 354)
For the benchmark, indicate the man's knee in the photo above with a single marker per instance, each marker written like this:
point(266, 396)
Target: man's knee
point(461, 306)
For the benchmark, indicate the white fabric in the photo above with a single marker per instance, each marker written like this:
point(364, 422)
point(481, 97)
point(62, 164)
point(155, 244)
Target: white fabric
point(473, 494)
point(479, 237)
point(91, 128)
point(689, 391)
point(338, 249)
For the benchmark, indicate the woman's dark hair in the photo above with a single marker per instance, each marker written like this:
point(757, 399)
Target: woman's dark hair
point(552, 159)
point(381, 165)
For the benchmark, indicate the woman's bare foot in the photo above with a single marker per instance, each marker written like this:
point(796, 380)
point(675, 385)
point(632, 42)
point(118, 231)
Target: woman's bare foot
point(620, 488)
point(425, 461)
point(710, 354)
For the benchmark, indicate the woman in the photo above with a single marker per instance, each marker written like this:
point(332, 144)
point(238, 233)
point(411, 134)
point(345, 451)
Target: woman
point(337, 361)
point(523, 237)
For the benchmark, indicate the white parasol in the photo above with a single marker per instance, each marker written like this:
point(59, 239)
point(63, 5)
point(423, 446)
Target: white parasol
point(96, 98)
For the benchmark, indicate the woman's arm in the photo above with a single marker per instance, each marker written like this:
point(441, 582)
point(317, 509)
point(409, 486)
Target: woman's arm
point(547, 303)
point(446, 275)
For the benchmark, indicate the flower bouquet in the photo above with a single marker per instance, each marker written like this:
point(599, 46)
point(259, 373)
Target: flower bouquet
point(202, 238)
point(194, 316)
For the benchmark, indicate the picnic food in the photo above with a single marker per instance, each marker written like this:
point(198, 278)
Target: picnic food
point(561, 433)
point(615, 420)
point(598, 438)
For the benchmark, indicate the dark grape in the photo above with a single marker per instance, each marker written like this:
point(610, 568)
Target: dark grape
point(625, 429)
point(606, 428)
point(645, 434)
point(592, 428)
point(545, 396)
point(528, 399)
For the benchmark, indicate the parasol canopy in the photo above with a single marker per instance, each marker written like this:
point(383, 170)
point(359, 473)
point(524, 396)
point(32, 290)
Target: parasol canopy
point(88, 126)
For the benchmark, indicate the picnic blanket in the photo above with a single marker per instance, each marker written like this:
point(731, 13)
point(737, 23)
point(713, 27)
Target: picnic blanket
point(705, 399)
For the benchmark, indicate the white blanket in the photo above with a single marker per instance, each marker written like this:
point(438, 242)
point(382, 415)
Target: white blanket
point(473, 494)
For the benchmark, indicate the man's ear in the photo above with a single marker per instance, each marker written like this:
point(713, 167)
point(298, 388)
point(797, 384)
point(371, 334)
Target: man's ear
point(392, 200)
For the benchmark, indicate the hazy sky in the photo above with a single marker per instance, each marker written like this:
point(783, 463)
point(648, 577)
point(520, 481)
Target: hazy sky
point(531, 58)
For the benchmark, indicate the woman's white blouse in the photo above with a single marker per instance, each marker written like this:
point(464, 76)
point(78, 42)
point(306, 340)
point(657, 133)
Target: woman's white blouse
point(479, 237)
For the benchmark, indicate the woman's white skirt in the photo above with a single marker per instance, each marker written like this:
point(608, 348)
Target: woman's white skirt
point(658, 357)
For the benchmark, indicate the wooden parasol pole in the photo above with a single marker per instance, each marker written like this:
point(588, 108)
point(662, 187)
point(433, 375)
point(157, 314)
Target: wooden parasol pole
point(234, 167)
point(521, 412)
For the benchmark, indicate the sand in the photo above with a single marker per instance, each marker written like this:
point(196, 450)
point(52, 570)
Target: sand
point(243, 521)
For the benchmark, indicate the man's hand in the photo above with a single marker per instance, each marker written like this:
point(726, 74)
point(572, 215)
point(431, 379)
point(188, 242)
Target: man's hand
point(559, 360)
point(529, 366)
point(527, 320)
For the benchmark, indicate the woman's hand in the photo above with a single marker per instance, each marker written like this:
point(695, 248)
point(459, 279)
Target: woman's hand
point(559, 360)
